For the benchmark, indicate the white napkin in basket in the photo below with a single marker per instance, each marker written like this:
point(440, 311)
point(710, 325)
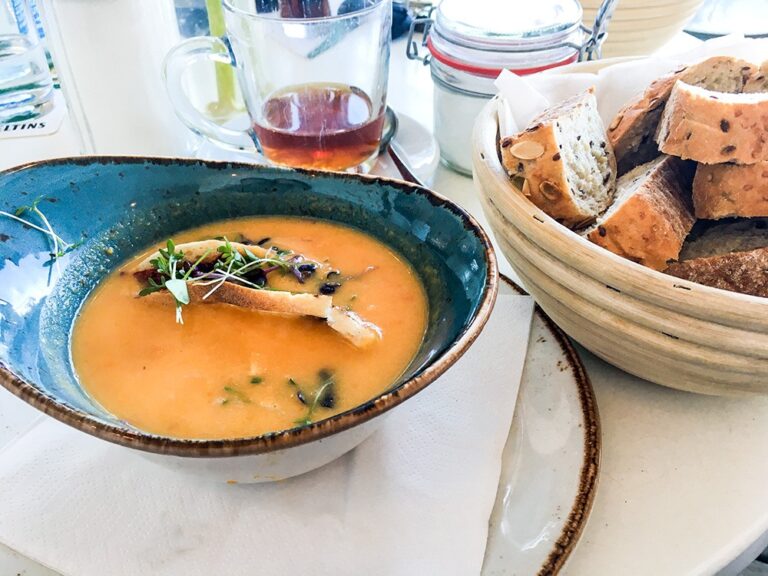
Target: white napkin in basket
point(525, 97)
point(412, 500)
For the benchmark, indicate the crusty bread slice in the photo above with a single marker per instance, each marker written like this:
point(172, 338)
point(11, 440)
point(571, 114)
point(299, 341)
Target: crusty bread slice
point(359, 332)
point(565, 162)
point(277, 301)
point(758, 82)
point(745, 272)
point(714, 127)
point(725, 236)
point(195, 250)
point(724, 190)
point(632, 130)
point(346, 323)
point(652, 213)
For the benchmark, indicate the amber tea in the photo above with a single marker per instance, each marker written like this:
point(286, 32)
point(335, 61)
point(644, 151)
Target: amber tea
point(325, 126)
point(313, 76)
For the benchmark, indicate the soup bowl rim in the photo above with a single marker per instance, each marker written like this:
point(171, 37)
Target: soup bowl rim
point(283, 439)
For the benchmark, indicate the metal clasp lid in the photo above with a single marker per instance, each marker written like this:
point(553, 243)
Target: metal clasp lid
point(593, 46)
point(412, 49)
point(590, 49)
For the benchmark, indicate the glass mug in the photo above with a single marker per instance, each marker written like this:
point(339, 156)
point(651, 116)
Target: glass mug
point(313, 74)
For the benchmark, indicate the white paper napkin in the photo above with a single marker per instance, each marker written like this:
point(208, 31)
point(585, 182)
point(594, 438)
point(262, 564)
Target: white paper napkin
point(525, 97)
point(414, 499)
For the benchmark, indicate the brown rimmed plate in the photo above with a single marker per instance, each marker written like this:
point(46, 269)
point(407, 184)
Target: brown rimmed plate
point(551, 460)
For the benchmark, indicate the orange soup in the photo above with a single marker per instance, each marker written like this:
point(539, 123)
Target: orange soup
point(230, 371)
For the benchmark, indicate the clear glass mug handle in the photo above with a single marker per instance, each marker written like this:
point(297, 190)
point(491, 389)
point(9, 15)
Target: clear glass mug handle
point(177, 61)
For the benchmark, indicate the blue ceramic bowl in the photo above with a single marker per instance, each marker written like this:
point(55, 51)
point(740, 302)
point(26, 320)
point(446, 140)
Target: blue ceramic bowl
point(123, 205)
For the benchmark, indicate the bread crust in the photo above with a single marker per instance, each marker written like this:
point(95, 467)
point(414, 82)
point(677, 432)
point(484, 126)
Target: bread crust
point(717, 237)
point(541, 165)
point(745, 272)
point(758, 82)
point(714, 127)
point(650, 226)
point(724, 190)
point(632, 130)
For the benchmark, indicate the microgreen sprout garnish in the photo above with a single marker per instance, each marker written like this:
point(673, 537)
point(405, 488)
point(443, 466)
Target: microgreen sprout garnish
point(59, 246)
point(169, 267)
point(324, 396)
point(236, 264)
point(256, 379)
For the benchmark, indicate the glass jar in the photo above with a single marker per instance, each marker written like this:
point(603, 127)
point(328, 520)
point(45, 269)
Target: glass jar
point(468, 45)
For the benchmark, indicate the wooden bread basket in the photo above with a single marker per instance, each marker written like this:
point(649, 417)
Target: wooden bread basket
point(666, 330)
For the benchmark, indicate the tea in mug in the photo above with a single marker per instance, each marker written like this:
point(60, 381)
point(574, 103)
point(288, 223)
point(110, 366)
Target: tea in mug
point(323, 126)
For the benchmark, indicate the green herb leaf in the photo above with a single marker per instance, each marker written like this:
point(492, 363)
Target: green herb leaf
point(236, 394)
point(256, 379)
point(178, 288)
point(149, 290)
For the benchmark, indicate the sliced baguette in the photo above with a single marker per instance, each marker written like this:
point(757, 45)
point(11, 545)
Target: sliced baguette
point(359, 332)
point(724, 190)
point(652, 213)
point(714, 127)
point(745, 272)
point(277, 301)
point(565, 162)
point(725, 236)
point(632, 130)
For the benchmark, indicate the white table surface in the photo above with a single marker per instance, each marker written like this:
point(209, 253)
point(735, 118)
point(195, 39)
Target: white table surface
point(682, 488)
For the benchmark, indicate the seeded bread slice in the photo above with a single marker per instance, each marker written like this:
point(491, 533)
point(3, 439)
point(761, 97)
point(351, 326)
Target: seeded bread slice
point(745, 272)
point(758, 82)
point(632, 130)
point(714, 127)
point(726, 236)
point(564, 162)
point(652, 213)
point(724, 190)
